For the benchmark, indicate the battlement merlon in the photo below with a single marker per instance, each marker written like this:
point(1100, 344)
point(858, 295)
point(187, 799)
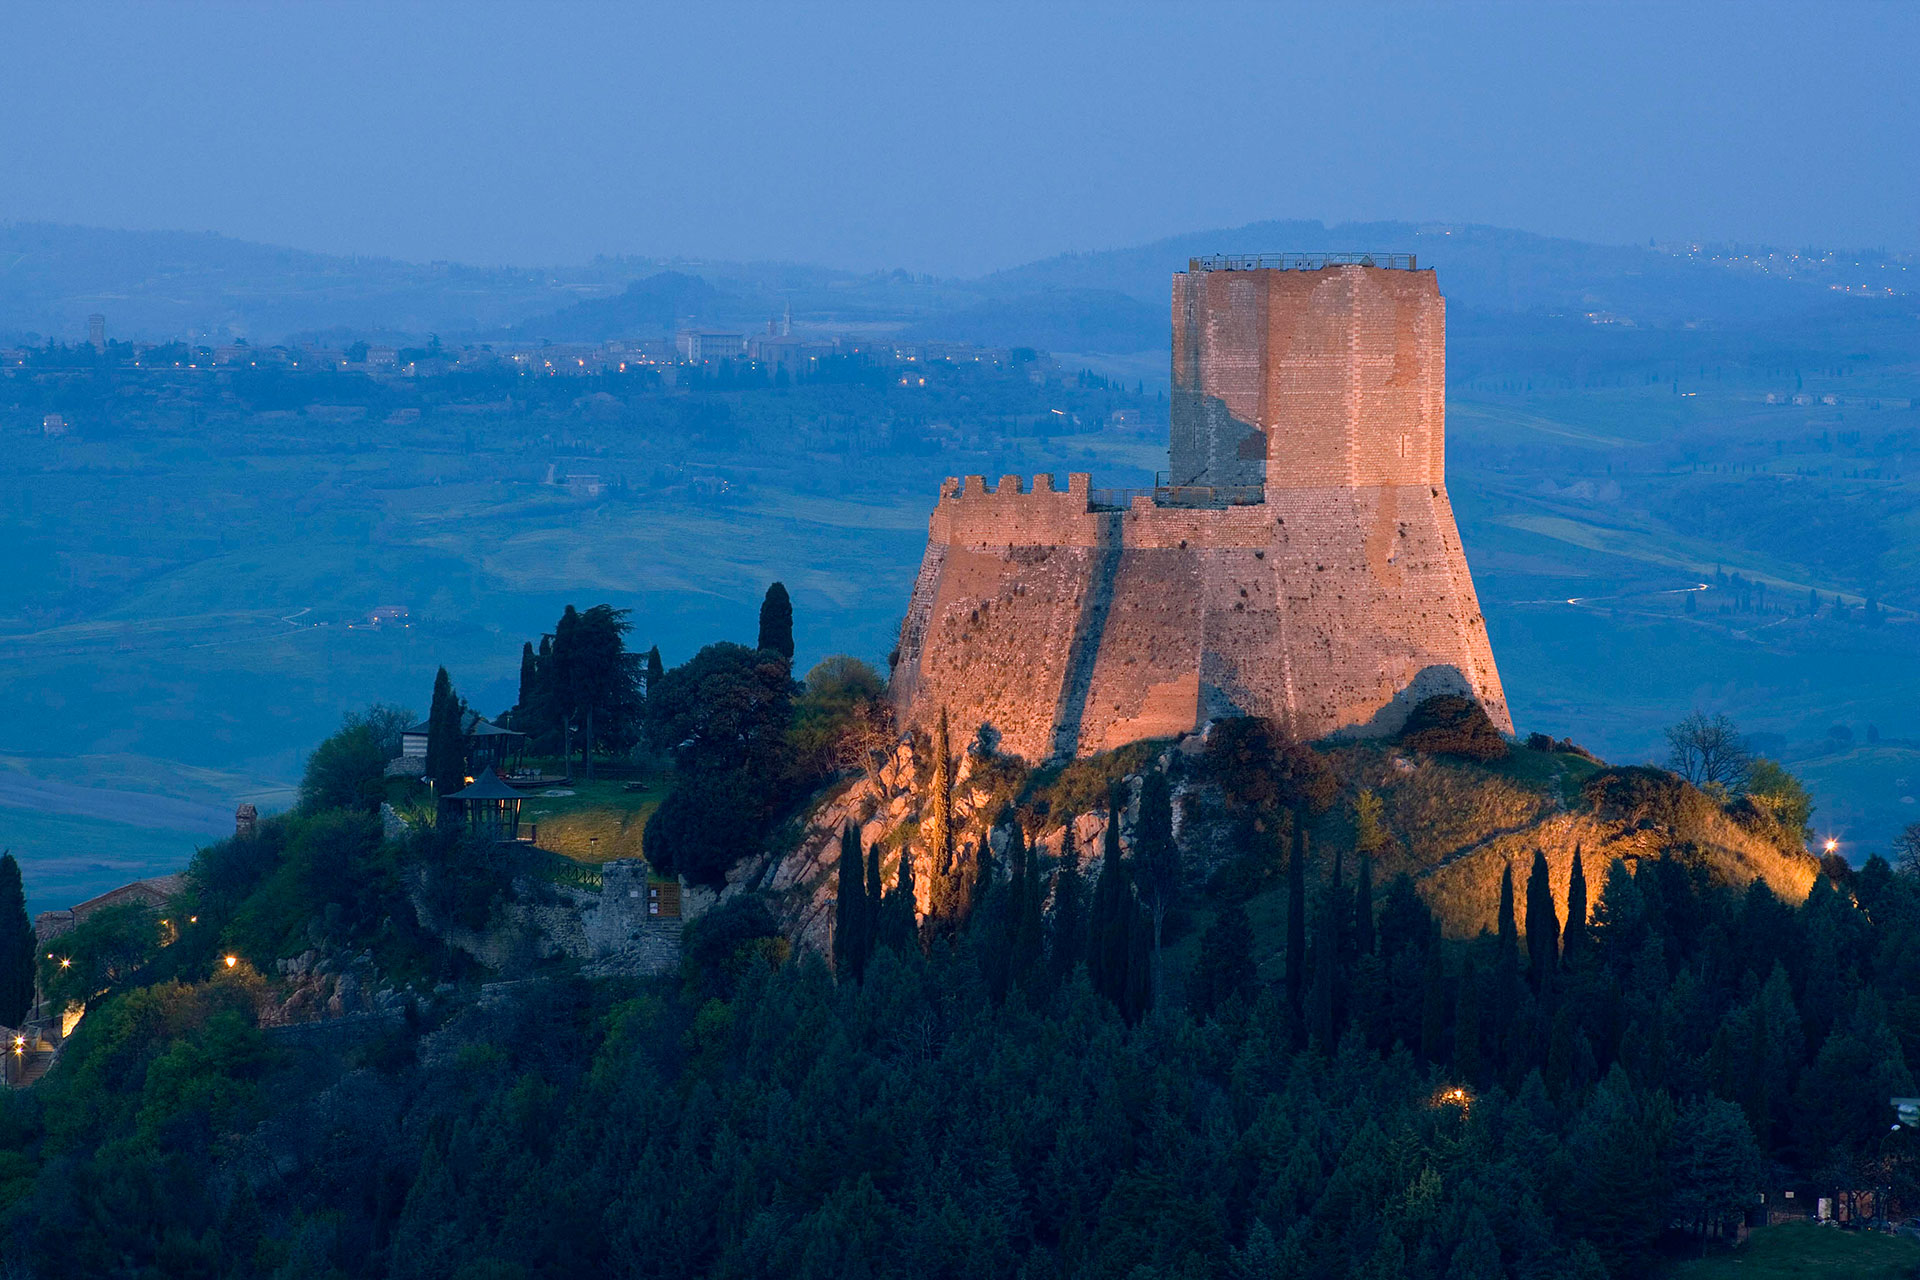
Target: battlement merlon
point(1308, 371)
point(1012, 514)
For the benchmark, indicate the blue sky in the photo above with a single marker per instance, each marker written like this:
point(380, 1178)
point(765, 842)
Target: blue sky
point(954, 138)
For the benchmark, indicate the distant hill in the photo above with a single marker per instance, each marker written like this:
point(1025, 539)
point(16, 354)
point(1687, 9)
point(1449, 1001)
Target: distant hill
point(167, 284)
point(1484, 268)
point(1061, 319)
point(650, 307)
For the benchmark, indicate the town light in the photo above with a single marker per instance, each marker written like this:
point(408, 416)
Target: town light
point(231, 960)
point(66, 962)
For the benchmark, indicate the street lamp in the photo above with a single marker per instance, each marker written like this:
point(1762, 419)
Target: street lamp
point(1832, 845)
point(231, 960)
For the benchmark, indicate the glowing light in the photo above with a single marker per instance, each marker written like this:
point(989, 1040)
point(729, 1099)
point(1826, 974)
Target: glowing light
point(66, 962)
point(231, 960)
point(1832, 845)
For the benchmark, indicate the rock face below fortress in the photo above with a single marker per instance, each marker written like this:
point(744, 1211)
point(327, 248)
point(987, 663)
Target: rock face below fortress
point(1302, 563)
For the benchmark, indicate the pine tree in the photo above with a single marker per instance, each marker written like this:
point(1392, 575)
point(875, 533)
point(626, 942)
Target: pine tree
point(850, 906)
point(16, 945)
point(1297, 918)
point(1477, 1256)
point(1574, 943)
point(1543, 927)
point(776, 622)
point(1225, 968)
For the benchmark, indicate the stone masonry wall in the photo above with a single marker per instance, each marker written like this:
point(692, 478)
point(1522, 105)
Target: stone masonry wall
point(1332, 607)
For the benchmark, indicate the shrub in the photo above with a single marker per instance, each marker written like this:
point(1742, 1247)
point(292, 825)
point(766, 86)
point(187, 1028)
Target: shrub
point(1258, 767)
point(722, 944)
point(1455, 725)
point(1643, 795)
point(347, 770)
point(705, 825)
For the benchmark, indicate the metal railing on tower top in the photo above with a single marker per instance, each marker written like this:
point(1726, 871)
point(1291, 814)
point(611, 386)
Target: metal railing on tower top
point(1300, 261)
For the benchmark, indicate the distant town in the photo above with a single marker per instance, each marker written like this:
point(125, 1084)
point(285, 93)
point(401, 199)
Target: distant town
point(777, 351)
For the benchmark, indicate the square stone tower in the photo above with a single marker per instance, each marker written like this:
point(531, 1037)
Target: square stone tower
point(1302, 563)
point(1307, 371)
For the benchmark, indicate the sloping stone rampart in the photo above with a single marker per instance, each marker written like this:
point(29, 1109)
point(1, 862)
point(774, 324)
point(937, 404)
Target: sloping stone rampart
point(1331, 606)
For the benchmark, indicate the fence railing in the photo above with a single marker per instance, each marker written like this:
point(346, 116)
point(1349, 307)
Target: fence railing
point(1300, 261)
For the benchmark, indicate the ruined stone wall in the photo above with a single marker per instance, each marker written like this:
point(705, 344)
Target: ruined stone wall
point(1332, 606)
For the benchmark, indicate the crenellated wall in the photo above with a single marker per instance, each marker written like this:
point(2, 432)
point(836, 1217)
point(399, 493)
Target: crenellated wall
point(1332, 605)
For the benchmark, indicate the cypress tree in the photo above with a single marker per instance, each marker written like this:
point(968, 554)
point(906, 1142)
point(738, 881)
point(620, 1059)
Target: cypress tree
point(16, 945)
point(1160, 861)
point(545, 704)
point(776, 622)
point(446, 764)
point(529, 687)
point(999, 921)
point(1069, 925)
point(947, 902)
point(1433, 1000)
point(563, 680)
point(1575, 942)
point(655, 669)
point(1467, 1061)
point(1107, 925)
point(1506, 974)
point(874, 902)
point(850, 906)
point(898, 910)
point(1297, 917)
point(1138, 995)
point(1543, 927)
point(1363, 936)
point(1326, 963)
point(1027, 939)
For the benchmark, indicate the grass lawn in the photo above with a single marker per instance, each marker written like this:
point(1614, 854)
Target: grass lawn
point(1803, 1252)
point(599, 822)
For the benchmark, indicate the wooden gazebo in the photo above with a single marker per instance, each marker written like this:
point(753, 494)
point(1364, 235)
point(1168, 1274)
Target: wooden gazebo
point(492, 807)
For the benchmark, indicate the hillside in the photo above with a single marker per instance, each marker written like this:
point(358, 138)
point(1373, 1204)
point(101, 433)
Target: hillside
point(1452, 825)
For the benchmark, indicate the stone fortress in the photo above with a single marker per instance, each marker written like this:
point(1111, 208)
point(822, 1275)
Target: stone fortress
point(1300, 561)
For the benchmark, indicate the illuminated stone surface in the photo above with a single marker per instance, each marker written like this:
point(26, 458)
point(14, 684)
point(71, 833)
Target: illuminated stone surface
point(1303, 565)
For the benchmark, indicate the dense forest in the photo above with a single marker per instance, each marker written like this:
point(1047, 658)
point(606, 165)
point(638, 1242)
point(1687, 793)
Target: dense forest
point(1012, 1079)
point(1016, 1084)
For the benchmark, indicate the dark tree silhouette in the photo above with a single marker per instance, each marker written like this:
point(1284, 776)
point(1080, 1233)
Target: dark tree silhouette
point(776, 622)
